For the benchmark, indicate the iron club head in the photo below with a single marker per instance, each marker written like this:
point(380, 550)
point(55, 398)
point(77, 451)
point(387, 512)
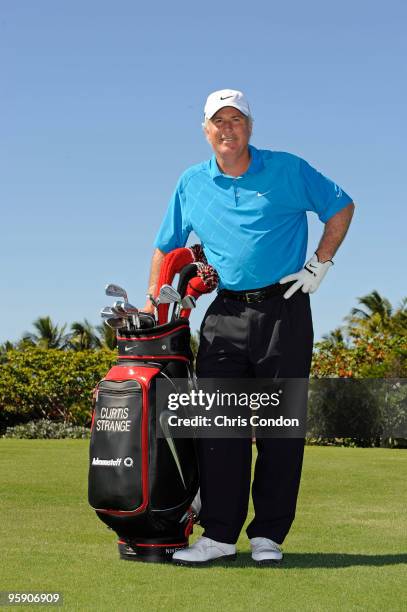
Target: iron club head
point(116, 291)
point(168, 295)
point(106, 312)
point(117, 308)
point(115, 323)
point(132, 311)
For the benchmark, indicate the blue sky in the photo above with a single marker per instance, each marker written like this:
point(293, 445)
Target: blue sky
point(101, 105)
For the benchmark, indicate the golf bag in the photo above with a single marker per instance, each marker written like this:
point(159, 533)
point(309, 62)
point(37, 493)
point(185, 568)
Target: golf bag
point(142, 486)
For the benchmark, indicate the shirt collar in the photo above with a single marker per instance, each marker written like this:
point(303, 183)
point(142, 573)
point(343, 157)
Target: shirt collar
point(256, 164)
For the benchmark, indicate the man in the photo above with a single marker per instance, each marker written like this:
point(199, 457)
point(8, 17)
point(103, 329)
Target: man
point(248, 207)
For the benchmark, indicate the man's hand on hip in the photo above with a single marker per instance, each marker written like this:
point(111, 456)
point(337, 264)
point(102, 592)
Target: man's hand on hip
point(309, 278)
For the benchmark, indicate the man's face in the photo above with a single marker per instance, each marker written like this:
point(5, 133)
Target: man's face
point(228, 132)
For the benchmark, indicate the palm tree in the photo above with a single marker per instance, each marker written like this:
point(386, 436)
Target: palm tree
point(375, 304)
point(83, 336)
point(335, 337)
point(400, 318)
point(6, 346)
point(377, 316)
point(4, 349)
point(107, 336)
point(48, 336)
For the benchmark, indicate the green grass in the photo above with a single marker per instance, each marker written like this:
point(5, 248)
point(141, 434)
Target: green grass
point(346, 550)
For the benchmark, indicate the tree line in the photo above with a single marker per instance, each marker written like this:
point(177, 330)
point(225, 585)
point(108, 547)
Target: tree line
point(372, 341)
point(49, 374)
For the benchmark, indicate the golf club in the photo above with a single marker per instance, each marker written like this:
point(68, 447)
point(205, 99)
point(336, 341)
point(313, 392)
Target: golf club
point(117, 308)
point(155, 304)
point(106, 312)
point(133, 311)
point(185, 275)
point(188, 302)
point(116, 291)
point(168, 295)
point(115, 323)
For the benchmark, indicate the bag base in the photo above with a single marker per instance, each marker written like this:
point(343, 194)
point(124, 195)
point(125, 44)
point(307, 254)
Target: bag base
point(149, 551)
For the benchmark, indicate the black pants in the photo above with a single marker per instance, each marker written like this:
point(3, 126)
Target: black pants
point(272, 339)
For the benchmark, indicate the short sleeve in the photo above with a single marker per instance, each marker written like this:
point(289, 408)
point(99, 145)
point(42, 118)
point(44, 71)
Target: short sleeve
point(320, 194)
point(174, 230)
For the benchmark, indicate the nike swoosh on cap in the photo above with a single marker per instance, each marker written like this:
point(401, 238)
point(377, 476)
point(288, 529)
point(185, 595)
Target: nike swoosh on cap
point(226, 97)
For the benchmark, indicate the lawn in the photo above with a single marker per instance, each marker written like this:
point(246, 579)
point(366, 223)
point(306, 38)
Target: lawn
point(346, 550)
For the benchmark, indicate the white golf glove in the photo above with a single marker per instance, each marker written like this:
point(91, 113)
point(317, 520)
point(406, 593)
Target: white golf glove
point(309, 278)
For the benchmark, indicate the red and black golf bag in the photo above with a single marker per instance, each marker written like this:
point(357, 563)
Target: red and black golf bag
point(141, 485)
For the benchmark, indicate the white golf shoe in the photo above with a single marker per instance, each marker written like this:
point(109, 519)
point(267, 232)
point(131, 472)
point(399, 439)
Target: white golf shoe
point(265, 551)
point(205, 551)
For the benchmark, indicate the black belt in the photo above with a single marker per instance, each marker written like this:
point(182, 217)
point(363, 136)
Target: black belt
point(256, 295)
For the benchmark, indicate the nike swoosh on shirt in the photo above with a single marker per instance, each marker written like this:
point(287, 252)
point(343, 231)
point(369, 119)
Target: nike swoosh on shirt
point(260, 195)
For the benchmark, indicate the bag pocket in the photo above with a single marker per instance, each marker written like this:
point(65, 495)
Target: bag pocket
point(116, 453)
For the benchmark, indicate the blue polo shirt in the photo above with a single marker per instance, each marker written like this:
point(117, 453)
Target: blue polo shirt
point(253, 228)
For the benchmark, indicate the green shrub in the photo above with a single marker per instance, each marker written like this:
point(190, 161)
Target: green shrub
point(345, 408)
point(357, 412)
point(43, 428)
point(40, 383)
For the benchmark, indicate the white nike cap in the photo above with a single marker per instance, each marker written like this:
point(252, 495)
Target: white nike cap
point(226, 97)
